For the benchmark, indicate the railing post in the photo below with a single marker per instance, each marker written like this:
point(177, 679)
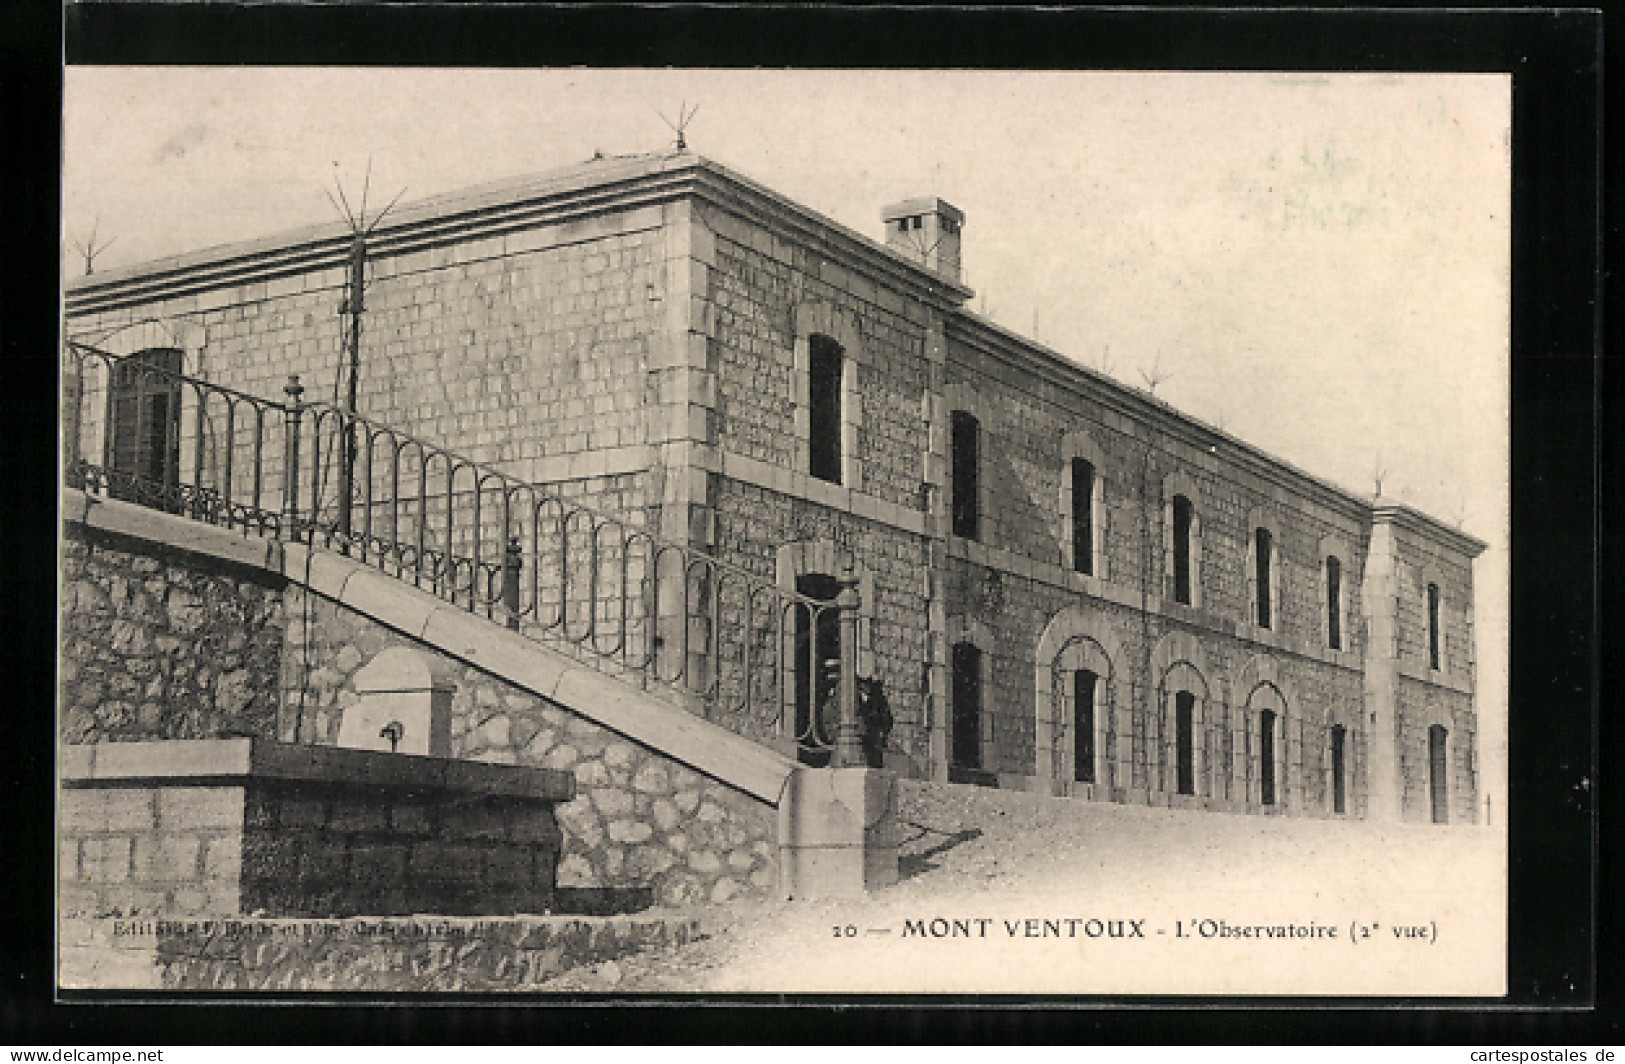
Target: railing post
point(290, 471)
point(512, 562)
point(849, 736)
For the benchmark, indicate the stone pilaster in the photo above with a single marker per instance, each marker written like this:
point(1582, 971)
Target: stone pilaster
point(1380, 601)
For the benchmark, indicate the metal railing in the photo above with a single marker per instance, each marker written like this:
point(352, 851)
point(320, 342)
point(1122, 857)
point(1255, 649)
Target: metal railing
point(763, 660)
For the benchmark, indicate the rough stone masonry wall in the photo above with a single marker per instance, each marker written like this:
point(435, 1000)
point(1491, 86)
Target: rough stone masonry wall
point(1023, 422)
point(1017, 609)
point(510, 350)
point(755, 287)
point(159, 645)
point(752, 523)
point(1422, 705)
point(639, 818)
point(412, 955)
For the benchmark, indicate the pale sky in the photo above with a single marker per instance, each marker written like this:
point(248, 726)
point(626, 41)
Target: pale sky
point(1317, 263)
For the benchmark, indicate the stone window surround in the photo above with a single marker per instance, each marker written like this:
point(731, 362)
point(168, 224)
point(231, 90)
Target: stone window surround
point(961, 397)
point(1262, 518)
point(173, 333)
point(1335, 547)
point(969, 630)
point(1428, 573)
point(1263, 698)
point(1074, 639)
point(1079, 444)
point(810, 318)
point(805, 557)
point(1445, 725)
point(1175, 484)
point(1179, 664)
point(1261, 673)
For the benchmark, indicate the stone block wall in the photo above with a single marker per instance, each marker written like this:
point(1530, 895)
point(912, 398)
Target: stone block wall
point(753, 523)
point(1419, 565)
point(1024, 423)
point(1421, 706)
point(144, 851)
point(756, 288)
point(525, 350)
point(640, 819)
point(156, 645)
point(245, 826)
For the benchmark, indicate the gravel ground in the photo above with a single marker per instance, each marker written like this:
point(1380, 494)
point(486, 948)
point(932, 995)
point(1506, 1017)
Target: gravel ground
point(1005, 892)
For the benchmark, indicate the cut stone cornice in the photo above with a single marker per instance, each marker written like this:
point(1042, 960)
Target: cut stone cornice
point(499, 208)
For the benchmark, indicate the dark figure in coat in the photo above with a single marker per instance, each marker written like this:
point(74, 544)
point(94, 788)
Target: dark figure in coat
point(874, 715)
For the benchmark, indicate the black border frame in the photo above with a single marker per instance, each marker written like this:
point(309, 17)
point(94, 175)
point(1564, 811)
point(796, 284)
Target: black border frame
point(1555, 55)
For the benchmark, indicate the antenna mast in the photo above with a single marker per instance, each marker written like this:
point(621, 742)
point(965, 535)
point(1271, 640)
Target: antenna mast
point(89, 249)
point(352, 308)
point(680, 127)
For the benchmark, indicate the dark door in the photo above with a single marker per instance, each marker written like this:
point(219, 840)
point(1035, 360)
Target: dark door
point(143, 444)
point(967, 711)
point(1084, 683)
point(1185, 741)
point(1339, 799)
point(818, 670)
point(1438, 779)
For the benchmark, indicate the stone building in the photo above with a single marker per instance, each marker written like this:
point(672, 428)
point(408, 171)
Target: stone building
point(1066, 585)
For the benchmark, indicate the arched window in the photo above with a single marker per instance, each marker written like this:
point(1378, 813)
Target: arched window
point(1085, 689)
point(1263, 584)
point(1334, 602)
point(1185, 741)
point(966, 740)
point(966, 473)
point(1184, 518)
point(1433, 626)
point(1439, 773)
point(1339, 744)
point(824, 377)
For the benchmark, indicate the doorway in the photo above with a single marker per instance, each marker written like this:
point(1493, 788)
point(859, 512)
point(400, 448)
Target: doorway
point(1438, 773)
point(967, 706)
point(817, 670)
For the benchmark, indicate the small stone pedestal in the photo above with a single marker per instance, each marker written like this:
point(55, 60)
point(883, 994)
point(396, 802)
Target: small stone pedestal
point(230, 827)
point(838, 832)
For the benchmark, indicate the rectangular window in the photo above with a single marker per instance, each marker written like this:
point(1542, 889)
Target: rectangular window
point(1261, 556)
point(1185, 741)
point(824, 408)
point(1083, 527)
point(966, 507)
point(1334, 603)
point(1183, 514)
point(1084, 683)
point(1433, 626)
point(1339, 782)
point(1266, 757)
point(145, 417)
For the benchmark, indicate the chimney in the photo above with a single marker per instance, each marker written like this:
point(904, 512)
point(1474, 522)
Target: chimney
point(927, 231)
